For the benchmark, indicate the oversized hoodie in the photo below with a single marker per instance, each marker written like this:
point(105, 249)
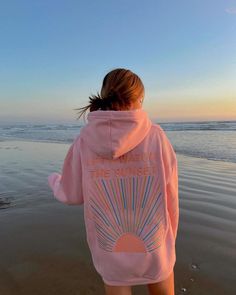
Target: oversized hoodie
point(123, 169)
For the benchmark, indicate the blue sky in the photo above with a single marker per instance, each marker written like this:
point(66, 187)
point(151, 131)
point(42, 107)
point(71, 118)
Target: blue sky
point(54, 54)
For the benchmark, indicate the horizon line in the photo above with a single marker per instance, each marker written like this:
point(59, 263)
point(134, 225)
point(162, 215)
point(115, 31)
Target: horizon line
point(79, 121)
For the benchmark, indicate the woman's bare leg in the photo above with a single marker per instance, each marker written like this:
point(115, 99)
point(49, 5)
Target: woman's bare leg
point(118, 290)
point(165, 287)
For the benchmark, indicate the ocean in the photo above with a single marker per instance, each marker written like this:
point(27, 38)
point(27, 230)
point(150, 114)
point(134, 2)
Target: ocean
point(214, 140)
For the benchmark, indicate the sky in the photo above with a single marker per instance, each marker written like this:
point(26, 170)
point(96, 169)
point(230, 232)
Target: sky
point(54, 55)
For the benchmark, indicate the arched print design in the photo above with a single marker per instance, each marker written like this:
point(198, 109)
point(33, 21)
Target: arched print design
point(128, 214)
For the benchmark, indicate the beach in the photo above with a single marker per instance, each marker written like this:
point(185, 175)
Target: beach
point(43, 242)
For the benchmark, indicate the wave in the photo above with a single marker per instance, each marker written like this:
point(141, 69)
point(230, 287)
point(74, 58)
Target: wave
point(201, 139)
point(213, 125)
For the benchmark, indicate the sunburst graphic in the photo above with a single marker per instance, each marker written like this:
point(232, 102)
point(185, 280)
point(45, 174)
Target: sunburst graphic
point(128, 213)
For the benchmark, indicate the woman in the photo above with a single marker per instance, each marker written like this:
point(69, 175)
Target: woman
point(123, 168)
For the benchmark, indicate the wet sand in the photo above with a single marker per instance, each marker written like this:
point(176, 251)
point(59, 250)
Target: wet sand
point(43, 242)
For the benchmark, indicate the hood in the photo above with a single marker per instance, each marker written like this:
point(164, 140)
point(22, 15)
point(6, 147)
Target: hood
point(110, 134)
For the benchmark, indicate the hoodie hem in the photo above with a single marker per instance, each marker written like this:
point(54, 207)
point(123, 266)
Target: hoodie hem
point(138, 281)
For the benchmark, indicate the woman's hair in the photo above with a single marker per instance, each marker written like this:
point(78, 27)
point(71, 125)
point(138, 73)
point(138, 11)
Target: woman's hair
point(120, 88)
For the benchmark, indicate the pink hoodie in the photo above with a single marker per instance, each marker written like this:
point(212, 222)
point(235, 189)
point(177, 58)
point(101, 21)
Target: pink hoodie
point(123, 168)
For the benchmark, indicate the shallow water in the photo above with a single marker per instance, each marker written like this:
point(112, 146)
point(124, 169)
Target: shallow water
point(206, 239)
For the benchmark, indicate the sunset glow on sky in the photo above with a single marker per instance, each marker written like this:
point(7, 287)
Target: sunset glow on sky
point(54, 55)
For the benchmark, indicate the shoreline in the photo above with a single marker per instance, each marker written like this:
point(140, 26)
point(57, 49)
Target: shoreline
point(69, 143)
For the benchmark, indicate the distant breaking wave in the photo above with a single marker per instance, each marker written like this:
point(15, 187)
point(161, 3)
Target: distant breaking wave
point(213, 125)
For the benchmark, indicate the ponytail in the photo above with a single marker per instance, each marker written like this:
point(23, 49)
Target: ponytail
point(95, 103)
point(112, 102)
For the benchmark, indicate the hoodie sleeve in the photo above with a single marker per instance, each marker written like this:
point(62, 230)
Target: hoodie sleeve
point(67, 186)
point(171, 173)
point(173, 199)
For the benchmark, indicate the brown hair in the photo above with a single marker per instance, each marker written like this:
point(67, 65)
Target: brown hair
point(120, 88)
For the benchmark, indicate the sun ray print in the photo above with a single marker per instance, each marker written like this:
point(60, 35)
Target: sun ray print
point(128, 213)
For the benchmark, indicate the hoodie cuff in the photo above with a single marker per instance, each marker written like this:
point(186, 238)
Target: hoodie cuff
point(52, 179)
